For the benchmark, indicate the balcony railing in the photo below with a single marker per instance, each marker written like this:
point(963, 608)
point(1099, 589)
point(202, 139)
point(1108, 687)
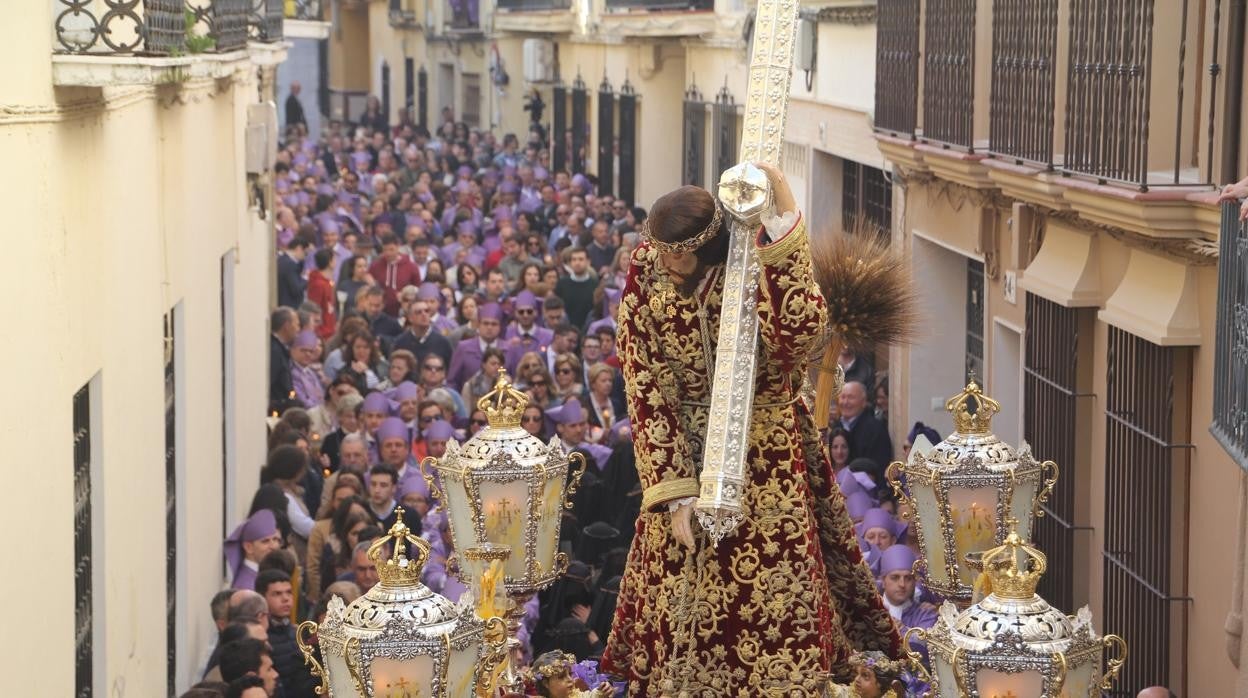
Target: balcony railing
point(897, 66)
point(1230, 367)
point(266, 20)
point(534, 5)
point(1132, 71)
point(674, 5)
point(949, 72)
point(1024, 57)
point(464, 15)
point(153, 27)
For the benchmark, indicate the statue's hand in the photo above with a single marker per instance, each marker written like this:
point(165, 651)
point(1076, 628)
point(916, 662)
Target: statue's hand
point(682, 525)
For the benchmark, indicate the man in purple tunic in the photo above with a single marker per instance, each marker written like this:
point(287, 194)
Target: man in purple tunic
point(304, 376)
point(248, 544)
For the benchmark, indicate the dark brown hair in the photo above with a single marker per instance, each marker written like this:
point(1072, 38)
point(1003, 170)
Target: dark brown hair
point(683, 213)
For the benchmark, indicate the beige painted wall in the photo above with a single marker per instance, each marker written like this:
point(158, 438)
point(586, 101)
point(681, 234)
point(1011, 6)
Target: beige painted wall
point(349, 49)
point(123, 204)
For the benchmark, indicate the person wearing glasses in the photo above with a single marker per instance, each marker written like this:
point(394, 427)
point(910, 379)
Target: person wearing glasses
point(420, 337)
point(524, 335)
point(433, 377)
point(569, 382)
point(478, 421)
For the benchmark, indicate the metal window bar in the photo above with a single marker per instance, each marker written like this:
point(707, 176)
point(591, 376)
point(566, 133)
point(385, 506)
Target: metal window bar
point(897, 66)
point(1024, 56)
point(422, 97)
point(1050, 398)
point(119, 27)
point(409, 87)
point(385, 89)
point(580, 124)
point(694, 129)
point(84, 648)
point(1230, 369)
point(949, 72)
point(974, 320)
point(171, 504)
point(851, 193)
point(606, 138)
point(724, 131)
point(522, 5)
point(628, 142)
point(471, 113)
point(877, 199)
point(559, 128)
point(1144, 469)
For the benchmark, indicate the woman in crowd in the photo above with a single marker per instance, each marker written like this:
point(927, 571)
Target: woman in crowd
point(540, 389)
point(604, 407)
point(533, 420)
point(365, 362)
point(483, 381)
point(568, 384)
point(348, 488)
point(838, 449)
point(402, 368)
point(352, 276)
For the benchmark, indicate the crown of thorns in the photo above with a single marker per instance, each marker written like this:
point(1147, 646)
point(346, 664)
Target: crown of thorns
point(684, 246)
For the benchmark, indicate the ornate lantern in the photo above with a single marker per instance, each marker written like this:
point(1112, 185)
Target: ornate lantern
point(504, 488)
point(962, 491)
point(401, 638)
point(1013, 643)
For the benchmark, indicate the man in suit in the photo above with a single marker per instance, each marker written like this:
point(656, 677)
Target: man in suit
point(284, 326)
point(466, 360)
point(294, 108)
point(290, 282)
point(420, 337)
point(524, 335)
point(868, 437)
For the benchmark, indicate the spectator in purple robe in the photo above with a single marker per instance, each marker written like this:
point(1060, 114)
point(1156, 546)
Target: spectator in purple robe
point(897, 584)
point(247, 545)
point(304, 375)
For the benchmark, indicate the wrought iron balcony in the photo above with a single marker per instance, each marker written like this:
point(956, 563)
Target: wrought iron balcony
point(662, 5)
point(153, 27)
point(463, 15)
point(266, 20)
point(1230, 368)
point(533, 5)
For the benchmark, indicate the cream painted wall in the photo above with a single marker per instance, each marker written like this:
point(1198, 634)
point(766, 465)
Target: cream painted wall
point(844, 73)
point(123, 205)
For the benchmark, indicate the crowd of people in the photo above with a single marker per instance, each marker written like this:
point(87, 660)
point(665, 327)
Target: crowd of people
point(414, 268)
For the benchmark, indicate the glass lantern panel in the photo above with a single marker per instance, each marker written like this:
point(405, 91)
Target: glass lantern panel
point(408, 678)
point(1000, 684)
point(548, 524)
point(1021, 504)
point(973, 516)
point(461, 511)
point(489, 594)
point(933, 545)
point(505, 506)
point(461, 673)
point(1078, 680)
point(340, 682)
point(946, 685)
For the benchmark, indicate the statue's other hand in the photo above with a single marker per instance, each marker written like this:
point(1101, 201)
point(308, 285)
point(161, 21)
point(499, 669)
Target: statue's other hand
point(682, 525)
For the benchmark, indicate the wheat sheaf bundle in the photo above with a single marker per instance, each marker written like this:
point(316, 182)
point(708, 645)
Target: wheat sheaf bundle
point(870, 297)
point(867, 286)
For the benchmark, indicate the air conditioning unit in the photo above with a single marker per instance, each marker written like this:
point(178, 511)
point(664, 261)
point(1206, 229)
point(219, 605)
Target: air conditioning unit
point(539, 60)
point(807, 41)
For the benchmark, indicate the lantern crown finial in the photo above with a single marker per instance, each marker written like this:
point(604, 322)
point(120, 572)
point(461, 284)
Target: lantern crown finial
point(972, 410)
point(399, 570)
point(1001, 564)
point(504, 404)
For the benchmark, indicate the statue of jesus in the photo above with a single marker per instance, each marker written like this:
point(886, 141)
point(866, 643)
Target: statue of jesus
point(786, 597)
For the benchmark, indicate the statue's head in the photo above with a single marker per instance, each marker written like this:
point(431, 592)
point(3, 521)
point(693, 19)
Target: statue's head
point(689, 230)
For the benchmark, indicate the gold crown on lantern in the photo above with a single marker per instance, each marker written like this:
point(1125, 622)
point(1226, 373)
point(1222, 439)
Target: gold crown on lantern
point(972, 410)
point(399, 570)
point(504, 404)
point(1009, 580)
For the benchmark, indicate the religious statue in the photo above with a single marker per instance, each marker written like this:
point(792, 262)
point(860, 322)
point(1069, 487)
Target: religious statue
point(556, 674)
point(784, 598)
point(875, 676)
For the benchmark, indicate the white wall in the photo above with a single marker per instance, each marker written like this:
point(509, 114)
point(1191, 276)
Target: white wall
point(938, 361)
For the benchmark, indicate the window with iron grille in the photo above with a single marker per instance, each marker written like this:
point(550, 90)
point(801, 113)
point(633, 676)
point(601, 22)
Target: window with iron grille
point(171, 504)
point(1147, 474)
point(1051, 395)
point(472, 99)
point(974, 320)
point(1230, 368)
point(84, 649)
point(866, 193)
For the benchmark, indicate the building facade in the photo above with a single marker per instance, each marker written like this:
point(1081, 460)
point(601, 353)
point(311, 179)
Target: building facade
point(1054, 169)
point(140, 260)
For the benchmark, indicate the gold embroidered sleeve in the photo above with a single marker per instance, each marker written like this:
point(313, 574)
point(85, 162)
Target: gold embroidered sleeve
point(792, 311)
point(664, 464)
